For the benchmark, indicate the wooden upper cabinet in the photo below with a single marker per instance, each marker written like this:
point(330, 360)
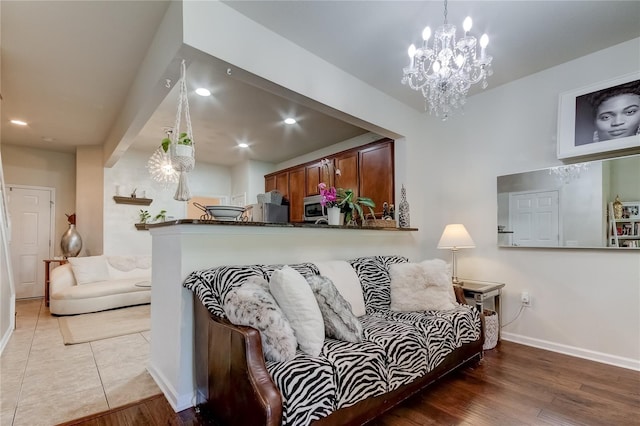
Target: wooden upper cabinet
point(347, 163)
point(296, 194)
point(314, 177)
point(282, 184)
point(367, 170)
point(269, 183)
point(376, 173)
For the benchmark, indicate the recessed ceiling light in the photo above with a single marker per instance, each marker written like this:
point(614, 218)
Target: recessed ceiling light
point(203, 92)
point(47, 139)
point(290, 120)
point(243, 145)
point(19, 122)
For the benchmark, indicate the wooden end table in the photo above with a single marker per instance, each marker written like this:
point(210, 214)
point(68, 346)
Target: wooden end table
point(47, 263)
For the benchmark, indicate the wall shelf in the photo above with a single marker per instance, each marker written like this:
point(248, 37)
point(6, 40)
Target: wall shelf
point(130, 200)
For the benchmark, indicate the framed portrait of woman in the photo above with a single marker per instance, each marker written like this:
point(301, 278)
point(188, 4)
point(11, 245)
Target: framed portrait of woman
point(600, 118)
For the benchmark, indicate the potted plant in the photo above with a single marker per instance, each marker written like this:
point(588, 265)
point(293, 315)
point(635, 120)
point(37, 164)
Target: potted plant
point(143, 217)
point(160, 217)
point(181, 144)
point(348, 202)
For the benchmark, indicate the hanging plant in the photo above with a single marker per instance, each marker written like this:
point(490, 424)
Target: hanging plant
point(182, 145)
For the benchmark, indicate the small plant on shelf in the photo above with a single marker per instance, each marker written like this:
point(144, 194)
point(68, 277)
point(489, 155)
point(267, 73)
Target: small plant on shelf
point(144, 216)
point(160, 217)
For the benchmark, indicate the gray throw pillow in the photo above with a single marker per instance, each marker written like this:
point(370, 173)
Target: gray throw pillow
point(252, 304)
point(339, 321)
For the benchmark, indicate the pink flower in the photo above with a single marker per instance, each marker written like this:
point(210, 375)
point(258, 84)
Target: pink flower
point(328, 196)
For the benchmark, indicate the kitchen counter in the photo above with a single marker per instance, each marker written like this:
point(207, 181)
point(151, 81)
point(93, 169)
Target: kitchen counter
point(271, 225)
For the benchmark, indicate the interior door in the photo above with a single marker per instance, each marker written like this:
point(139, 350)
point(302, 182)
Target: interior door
point(30, 210)
point(534, 218)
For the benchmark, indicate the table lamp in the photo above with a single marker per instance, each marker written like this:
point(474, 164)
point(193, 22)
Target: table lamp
point(454, 237)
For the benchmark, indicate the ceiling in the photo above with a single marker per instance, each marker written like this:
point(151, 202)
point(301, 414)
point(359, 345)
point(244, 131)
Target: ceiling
point(67, 66)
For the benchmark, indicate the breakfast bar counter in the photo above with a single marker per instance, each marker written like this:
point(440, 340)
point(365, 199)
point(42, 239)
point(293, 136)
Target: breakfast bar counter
point(273, 225)
point(186, 245)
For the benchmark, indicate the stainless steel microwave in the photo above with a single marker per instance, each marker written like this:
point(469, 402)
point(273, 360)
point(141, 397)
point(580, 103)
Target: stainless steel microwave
point(313, 210)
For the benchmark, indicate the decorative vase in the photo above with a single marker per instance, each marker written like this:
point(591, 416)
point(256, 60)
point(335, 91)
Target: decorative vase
point(334, 216)
point(71, 242)
point(403, 209)
point(617, 208)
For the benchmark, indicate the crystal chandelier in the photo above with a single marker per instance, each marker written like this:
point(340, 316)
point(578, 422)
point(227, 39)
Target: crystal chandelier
point(445, 72)
point(569, 172)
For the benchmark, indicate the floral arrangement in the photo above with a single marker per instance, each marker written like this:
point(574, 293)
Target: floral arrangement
point(329, 195)
point(343, 198)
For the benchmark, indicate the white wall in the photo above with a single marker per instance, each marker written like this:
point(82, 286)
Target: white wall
point(584, 302)
point(39, 167)
point(89, 198)
point(130, 172)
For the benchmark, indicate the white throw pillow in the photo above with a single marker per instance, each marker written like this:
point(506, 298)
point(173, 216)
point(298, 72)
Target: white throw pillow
point(295, 298)
point(421, 286)
point(344, 277)
point(89, 269)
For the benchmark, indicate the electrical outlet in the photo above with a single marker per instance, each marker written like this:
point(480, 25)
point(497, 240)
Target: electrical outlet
point(525, 299)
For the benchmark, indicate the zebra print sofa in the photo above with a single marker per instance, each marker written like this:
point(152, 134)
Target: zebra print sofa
point(349, 383)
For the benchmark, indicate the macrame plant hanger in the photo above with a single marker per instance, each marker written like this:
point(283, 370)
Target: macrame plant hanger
point(182, 143)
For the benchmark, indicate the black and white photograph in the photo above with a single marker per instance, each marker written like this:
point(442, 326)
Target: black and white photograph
point(600, 118)
point(630, 210)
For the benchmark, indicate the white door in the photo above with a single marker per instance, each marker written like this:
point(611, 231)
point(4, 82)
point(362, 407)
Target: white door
point(534, 218)
point(30, 210)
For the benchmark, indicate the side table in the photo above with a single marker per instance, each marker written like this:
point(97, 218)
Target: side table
point(47, 263)
point(481, 291)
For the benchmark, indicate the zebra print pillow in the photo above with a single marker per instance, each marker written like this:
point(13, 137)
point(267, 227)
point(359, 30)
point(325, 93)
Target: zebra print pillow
point(373, 272)
point(212, 285)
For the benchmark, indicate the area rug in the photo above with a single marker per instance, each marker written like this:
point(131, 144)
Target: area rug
point(103, 325)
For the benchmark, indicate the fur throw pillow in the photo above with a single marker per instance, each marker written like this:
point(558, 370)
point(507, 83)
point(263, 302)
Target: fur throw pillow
point(421, 286)
point(339, 321)
point(251, 304)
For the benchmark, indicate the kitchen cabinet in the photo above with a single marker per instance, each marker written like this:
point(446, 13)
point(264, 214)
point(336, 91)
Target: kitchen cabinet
point(347, 162)
point(297, 192)
point(368, 170)
point(375, 165)
point(269, 183)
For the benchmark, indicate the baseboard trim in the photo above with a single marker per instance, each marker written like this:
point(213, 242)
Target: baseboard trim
point(618, 361)
point(177, 402)
point(5, 339)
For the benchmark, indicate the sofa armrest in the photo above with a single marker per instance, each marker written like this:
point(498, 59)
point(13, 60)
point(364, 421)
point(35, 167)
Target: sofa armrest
point(61, 278)
point(240, 389)
point(459, 292)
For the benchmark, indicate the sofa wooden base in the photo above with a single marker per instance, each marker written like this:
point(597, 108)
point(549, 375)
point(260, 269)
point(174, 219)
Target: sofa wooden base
point(232, 376)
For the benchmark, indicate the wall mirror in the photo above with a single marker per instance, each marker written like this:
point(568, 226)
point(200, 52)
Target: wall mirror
point(572, 206)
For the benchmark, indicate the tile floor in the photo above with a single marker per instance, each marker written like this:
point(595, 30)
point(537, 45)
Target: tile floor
point(43, 382)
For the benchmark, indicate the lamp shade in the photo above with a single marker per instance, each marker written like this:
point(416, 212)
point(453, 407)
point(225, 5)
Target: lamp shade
point(455, 236)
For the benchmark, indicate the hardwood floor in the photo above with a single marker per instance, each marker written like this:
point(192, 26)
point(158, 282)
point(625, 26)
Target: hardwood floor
point(512, 385)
